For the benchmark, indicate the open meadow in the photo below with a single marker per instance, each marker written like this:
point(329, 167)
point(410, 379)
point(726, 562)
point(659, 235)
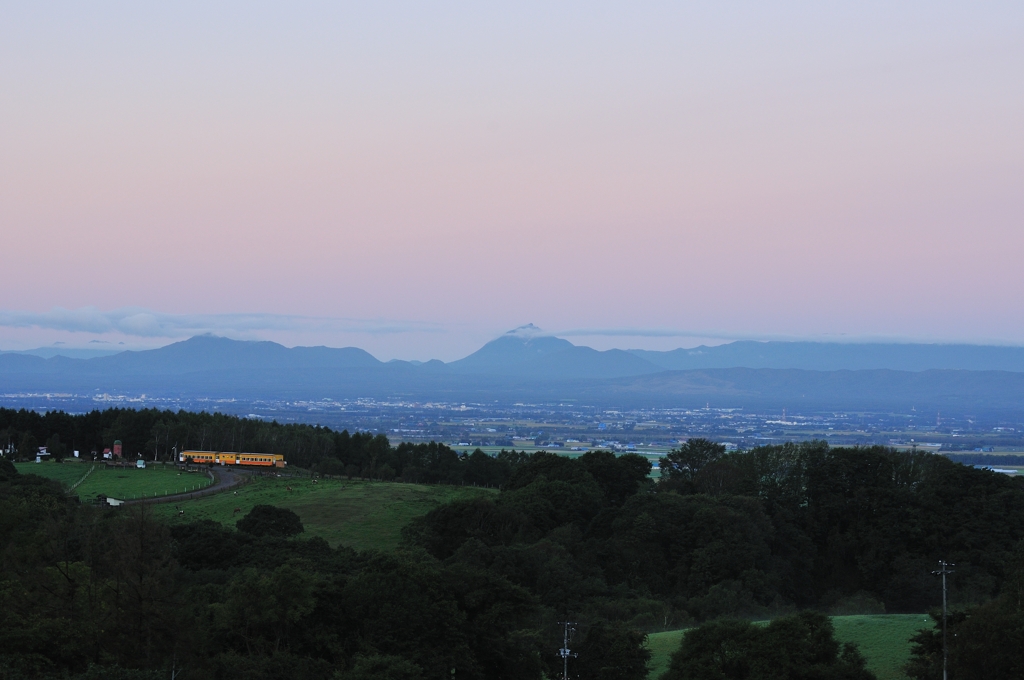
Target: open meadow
point(121, 483)
point(883, 639)
point(66, 473)
point(357, 514)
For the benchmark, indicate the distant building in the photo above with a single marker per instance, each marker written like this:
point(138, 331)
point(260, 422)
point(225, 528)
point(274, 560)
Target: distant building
point(1005, 471)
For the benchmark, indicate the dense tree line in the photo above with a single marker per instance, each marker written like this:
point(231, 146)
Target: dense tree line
point(480, 584)
point(157, 434)
point(750, 534)
point(151, 432)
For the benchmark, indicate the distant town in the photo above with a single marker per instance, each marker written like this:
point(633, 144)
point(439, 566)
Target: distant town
point(575, 427)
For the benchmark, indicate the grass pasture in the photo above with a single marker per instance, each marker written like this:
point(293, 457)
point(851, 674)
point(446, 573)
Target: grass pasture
point(662, 645)
point(66, 473)
point(121, 483)
point(129, 483)
point(883, 639)
point(358, 514)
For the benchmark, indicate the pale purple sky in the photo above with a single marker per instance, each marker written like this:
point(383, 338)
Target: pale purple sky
point(416, 178)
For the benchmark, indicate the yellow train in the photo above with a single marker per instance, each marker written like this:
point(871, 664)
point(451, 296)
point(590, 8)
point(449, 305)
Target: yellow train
point(232, 458)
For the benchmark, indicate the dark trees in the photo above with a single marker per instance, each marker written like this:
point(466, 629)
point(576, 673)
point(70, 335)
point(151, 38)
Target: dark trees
point(7, 469)
point(55, 447)
point(797, 647)
point(29, 446)
point(984, 642)
point(801, 524)
point(613, 652)
point(382, 667)
point(681, 467)
point(269, 520)
point(618, 476)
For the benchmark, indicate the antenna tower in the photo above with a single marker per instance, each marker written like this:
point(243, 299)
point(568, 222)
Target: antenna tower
point(568, 629)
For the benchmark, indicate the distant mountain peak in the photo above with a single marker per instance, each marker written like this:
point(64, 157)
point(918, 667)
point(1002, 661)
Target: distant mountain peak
point(529, 352)
point(527, 331)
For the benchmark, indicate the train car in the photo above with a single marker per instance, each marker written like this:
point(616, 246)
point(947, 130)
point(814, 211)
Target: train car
point(233, 458)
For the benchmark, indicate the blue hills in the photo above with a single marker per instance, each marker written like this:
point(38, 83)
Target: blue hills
point(834, 356)
point(527, 365)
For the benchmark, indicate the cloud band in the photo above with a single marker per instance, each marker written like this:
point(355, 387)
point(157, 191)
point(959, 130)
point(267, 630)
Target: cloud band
point(145, 323)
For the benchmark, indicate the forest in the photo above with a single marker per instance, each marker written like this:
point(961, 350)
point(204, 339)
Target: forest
point(787, 533)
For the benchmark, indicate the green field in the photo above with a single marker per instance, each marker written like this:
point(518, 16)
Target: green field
point(121, 483)
point(357, 514)
point(883, 639)
point(129, 483)
point(662, 645)
point(65, 473)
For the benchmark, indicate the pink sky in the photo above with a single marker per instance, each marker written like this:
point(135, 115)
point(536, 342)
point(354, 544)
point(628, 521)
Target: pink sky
point(415, 179)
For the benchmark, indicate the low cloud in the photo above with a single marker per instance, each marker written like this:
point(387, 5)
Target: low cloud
point(654, 333)
point(145, 323)
point(723, 336)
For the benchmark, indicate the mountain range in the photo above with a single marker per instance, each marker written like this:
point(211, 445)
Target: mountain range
point(527, 365)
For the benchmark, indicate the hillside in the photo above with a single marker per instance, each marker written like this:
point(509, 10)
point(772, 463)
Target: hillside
point(356, 514)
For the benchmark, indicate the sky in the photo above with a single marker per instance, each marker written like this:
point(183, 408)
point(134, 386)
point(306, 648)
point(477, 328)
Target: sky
point(418, 178)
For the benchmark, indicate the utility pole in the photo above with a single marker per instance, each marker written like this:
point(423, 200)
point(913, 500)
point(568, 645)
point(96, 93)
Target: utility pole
point(568, 628)
point(944, 570)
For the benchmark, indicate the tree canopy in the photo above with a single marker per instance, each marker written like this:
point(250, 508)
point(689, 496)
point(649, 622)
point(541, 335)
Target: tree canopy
point(479, 585)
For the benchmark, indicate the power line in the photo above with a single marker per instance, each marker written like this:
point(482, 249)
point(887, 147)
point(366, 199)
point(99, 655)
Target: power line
point(944, 570)
point(568, 630)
